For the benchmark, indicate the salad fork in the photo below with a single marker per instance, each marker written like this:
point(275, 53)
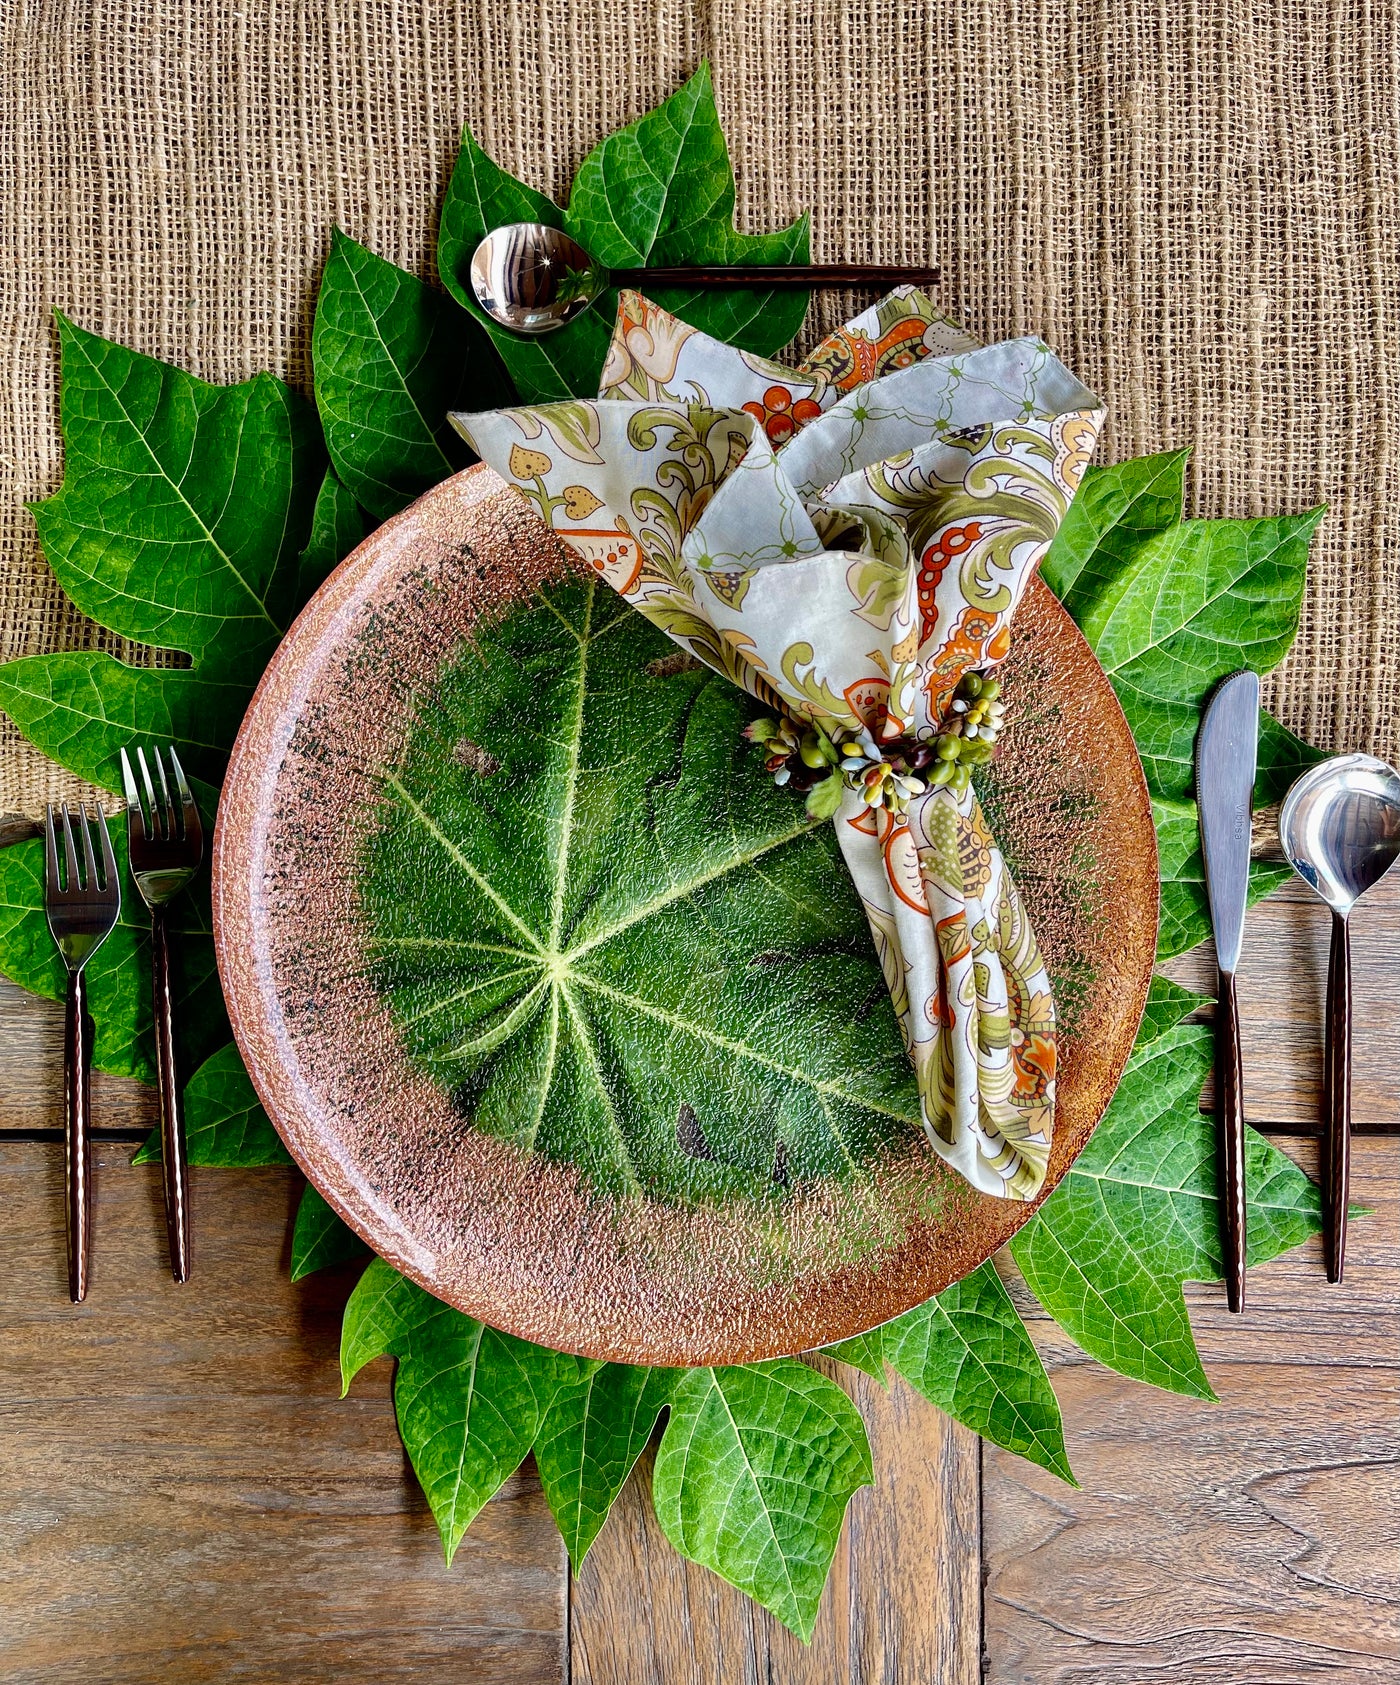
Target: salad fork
point(166, 844)
point(83, 902)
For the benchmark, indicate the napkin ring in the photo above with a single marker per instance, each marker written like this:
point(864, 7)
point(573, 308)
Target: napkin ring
point(801, 756)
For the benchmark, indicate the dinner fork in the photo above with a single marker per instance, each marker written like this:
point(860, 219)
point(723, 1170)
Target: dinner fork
point(166, 844)
point(82, 903)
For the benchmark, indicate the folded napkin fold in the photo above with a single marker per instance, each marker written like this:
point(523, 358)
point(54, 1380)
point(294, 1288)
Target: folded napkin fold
point(848, 541)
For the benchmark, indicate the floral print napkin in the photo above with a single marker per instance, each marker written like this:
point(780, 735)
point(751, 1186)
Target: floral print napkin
point(847, 540)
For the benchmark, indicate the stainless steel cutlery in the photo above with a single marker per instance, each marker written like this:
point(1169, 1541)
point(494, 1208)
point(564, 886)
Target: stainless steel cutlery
point(1340, 828)
point(83, 899)
point(1226, 753)
point(166, 844)
point(535, 279)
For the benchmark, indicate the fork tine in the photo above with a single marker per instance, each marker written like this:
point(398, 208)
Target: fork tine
point(157, 818)
point(90, 879)
point(52, 884)
point(70, 853)
point(135, 818)
point(109, 859)
point(166, 806)
point(189, 810)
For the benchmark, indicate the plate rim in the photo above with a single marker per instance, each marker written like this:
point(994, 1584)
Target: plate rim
point(233, 864)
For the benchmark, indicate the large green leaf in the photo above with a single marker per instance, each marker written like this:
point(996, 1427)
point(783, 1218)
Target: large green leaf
point(611, 938)
point(392, 357)
point(1118, 506)
point(658, 192)
point(589, 1440)
point(753, 1476)
point(319, 1238)
point(180, 522)
point(1138, 1214)
point(968, 1352)
point(337, 526)
point(1172, 606)
point(1184, 607)
point(188, 516)
point(118, 975)
point(225, 1124)
point(470, 1400)
point(1185, 913)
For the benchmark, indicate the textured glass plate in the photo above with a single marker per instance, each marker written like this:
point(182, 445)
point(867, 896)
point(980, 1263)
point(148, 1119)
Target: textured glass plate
point(526, 1243)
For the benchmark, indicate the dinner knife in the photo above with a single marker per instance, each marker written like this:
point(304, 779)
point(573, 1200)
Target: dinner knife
point(1227, 749)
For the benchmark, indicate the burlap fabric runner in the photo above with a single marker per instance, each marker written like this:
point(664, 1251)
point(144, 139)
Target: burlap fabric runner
point(1195, 203)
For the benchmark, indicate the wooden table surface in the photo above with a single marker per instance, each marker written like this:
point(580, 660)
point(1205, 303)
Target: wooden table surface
point(183, 1496)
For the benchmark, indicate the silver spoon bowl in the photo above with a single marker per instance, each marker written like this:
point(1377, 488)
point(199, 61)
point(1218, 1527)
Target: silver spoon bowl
point(1340, 828)
point(534, 279)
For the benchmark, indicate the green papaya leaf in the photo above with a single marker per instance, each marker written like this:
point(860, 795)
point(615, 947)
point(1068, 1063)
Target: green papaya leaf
point(180, 522)
point(119, 973)
point(589, 1440)
point(320, 1239)
point(610, 937)
point(225, 1124)
point(184, 506)
point(1282, 758)
point(337, 526)
point(392, 357)
point(753, 1476)
point(1193, 603)
point(1167, 1004)
point(1170, 608)
point(1185, 914)
point(82, 706)
point(1137, 1215)
point(1117, 507)
point(865, 1352)
point(469, 1400)
point(658, 192)
point(968, 1352)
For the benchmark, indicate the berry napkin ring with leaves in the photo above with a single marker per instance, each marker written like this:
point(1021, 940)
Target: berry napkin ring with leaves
point(848, 541)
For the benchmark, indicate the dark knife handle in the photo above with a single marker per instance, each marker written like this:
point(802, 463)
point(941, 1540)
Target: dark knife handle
point(1229, 1107)
point(780, 275)
point(174, 1171)
point(1336, 1135)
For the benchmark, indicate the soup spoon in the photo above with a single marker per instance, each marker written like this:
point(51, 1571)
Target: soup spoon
point(535, 279)
point(1340, 828)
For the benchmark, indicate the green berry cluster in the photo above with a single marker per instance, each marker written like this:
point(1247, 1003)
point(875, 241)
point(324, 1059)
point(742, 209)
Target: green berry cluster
point(968, 739)
point(888, 774)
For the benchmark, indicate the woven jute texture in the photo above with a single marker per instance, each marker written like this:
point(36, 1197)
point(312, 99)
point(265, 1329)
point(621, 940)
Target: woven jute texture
point(1195, 202)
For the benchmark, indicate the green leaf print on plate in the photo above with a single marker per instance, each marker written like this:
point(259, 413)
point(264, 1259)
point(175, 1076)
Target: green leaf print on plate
point(611, 938)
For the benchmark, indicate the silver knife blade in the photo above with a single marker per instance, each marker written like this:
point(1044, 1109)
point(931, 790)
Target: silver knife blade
point(1227, 748)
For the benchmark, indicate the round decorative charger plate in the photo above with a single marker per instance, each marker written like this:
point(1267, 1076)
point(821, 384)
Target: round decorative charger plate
point(441, 1139)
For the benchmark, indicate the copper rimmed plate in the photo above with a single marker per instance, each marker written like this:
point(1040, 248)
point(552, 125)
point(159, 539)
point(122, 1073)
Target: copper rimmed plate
point(523, 1242)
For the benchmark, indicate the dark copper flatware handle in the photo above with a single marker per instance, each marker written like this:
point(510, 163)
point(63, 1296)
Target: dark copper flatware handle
point(1336, 1129)
point(174, 1167)
point(77, 1134)
point(780, 275)
point(1229, 1107)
